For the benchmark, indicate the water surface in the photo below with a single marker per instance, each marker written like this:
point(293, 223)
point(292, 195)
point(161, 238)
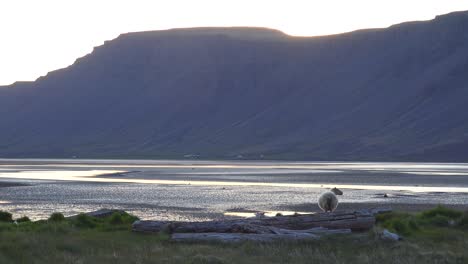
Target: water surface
point(188, 190)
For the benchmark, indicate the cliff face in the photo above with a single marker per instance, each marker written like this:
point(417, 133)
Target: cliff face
point(399, 93)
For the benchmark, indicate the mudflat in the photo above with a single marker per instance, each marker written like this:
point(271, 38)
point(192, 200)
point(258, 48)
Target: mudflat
point(200, 190)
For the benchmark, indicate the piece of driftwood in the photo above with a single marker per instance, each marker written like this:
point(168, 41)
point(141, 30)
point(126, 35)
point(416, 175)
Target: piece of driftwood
point(376, 211)
point(315, 230)
point(277, 234)
point(353, 220)
point(238, 237)
point(101, 213)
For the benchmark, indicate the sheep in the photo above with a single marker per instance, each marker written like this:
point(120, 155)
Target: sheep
point(336, 191)
point(328, 202)
point(260, 214)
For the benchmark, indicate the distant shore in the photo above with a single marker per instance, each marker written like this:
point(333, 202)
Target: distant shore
point(11, 184)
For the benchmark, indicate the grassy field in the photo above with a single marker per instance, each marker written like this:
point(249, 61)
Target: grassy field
point(436, 236)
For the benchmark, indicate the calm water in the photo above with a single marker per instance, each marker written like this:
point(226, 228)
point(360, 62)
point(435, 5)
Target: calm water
point(188, 190)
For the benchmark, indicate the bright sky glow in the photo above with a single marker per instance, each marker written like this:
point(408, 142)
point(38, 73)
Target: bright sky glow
point(41, 36)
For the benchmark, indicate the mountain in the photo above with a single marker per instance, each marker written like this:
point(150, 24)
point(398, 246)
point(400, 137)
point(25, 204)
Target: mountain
point(394, 94)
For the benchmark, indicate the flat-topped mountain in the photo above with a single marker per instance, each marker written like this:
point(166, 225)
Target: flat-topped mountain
point(399, 93)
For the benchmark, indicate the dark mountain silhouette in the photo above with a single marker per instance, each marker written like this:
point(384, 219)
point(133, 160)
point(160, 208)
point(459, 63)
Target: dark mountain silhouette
point(399, 93)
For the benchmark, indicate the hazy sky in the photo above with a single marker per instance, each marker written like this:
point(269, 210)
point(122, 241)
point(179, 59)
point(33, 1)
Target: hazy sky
point(38, 36)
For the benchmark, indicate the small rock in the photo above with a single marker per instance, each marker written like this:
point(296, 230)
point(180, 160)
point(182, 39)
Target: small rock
point(387, 235)
point(385, 195)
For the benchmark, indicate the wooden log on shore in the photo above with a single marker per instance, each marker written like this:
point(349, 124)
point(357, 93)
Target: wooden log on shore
point(376, 211)
point(315, 231)
point(101, 213)
point(354, 220)
point(279, 234)
point(239, 237)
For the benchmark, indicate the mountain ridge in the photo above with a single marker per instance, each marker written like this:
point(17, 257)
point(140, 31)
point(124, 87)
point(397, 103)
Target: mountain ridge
point(378, 94)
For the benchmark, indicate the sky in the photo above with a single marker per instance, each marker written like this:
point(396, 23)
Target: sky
point(41, 36)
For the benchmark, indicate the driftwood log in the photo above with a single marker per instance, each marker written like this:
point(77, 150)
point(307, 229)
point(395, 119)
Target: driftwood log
point(101, 213)
point(272, 234)
point(239, 237)
point(349, 220)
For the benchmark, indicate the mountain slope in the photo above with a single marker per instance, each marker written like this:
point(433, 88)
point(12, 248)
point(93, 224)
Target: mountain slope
point(384, 94)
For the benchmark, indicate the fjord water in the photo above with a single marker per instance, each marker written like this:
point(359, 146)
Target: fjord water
point(195, 190)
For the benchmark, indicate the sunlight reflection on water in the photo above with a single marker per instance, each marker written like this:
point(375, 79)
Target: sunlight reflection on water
point(188, 190)
point(90, 176)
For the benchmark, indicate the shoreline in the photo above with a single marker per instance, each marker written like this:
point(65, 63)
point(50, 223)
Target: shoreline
point(195, 214)
point(6, 184)
point(400, 207)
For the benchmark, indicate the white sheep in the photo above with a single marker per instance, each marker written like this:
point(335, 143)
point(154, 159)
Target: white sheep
point(328, 202)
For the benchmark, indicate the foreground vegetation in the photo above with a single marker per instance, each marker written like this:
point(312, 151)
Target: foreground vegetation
point(439, 235)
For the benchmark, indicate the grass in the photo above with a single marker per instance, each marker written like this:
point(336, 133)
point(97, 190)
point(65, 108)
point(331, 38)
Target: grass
point(439, 218)
point(56, 217)
point(5, 217)
point(435, 236)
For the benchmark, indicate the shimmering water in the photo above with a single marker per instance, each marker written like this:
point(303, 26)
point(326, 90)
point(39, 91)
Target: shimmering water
point(188, 190)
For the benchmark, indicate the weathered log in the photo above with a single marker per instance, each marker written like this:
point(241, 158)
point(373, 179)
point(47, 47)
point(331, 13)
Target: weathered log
point(376, 211)
point(238, 237)
point(101, 213)
point(272, 234)
point(276, 234)
point(315, 231)
point(354, 220)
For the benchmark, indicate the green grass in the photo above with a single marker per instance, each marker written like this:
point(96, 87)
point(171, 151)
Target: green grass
point(439, 218)
point(85, 239)
point(56, 217)
point(5, 217)
point(23, 219)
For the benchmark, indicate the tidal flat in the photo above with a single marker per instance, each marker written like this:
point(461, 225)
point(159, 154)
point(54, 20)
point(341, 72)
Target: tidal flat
point(202, 190)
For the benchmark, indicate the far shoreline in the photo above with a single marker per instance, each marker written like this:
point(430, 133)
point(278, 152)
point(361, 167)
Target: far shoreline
point(157, 159)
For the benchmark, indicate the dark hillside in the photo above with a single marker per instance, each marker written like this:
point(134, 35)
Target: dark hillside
point(399, 93)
